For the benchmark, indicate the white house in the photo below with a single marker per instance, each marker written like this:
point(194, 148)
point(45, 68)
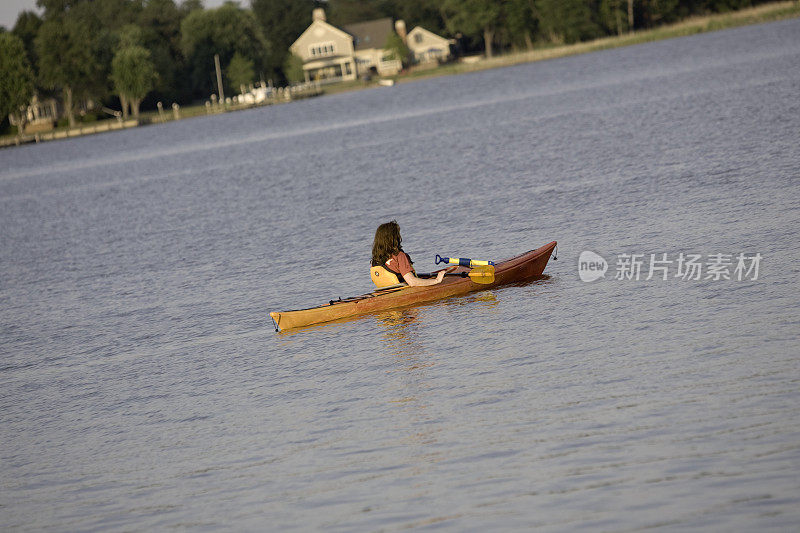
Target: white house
point(39, 115)
point(370, 39)
point(327, 52)
point(426, 46)
point(331, 54)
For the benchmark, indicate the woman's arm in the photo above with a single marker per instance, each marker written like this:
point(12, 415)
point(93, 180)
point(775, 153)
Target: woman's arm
point(414, 281)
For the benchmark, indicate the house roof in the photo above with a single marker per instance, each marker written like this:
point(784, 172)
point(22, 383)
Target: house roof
point(370, 34)
point(430, 34)
point(316, 25)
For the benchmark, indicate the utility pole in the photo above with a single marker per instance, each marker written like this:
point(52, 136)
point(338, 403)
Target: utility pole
point(219, 80)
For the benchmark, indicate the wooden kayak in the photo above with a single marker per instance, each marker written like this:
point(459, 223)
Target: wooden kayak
point(522, 267)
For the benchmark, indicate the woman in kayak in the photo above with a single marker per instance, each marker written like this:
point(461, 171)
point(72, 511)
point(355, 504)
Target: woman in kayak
point(388, 253)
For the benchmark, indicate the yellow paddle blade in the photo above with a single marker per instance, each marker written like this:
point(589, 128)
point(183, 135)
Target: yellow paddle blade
point(482, 274)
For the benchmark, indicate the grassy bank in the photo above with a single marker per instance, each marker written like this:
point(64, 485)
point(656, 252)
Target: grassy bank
point(763, 13)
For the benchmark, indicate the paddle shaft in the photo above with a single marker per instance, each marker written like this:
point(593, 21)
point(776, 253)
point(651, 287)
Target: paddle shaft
point(433, 275)
point(481, 274)
point(462, 261)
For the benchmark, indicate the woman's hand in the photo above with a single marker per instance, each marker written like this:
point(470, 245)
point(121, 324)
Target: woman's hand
point(414, 281)
point(441, 273)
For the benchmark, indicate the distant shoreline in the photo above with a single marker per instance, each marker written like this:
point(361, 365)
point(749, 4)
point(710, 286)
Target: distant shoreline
point(701, 24)
point(691, 26)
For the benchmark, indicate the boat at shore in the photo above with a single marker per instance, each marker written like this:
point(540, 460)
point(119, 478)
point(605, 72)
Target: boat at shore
point(520, 268)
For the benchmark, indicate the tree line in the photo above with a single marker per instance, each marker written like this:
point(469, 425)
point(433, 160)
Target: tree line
point(124, 54)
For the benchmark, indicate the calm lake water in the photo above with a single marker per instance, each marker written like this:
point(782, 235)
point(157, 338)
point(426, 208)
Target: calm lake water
point(143, 387)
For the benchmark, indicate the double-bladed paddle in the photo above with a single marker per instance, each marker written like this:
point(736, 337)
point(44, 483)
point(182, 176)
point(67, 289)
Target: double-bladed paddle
point(482, 271)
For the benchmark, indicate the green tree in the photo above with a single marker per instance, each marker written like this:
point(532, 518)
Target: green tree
point(425, 13)
point(112, 14)
point(26, 28)
point(613, 15)
point(282, 21)
point(293, 69)
point(76, 45)
point(397, 48)
point(130, 35)
point(133, 75)
point(224, 31)
point(473, 17)
point(343, 12)
point(567, 20)
point(68, 59)
point(160, 21)
point(656, 12)
point(239, 72)
point(187, 6)
point(56, 7)
point(520, 22)
point(16, 77)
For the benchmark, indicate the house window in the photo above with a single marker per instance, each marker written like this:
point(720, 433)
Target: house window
point(418, 38)
point(321, 49)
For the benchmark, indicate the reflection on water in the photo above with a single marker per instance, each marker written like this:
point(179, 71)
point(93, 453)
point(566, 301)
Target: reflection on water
point(544, 279)
point(482, 300)
point(402, 336)
point(400, 333)
point(401, 327)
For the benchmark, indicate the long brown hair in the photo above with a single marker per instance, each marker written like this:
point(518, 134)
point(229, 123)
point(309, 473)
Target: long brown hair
point(387, 242)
